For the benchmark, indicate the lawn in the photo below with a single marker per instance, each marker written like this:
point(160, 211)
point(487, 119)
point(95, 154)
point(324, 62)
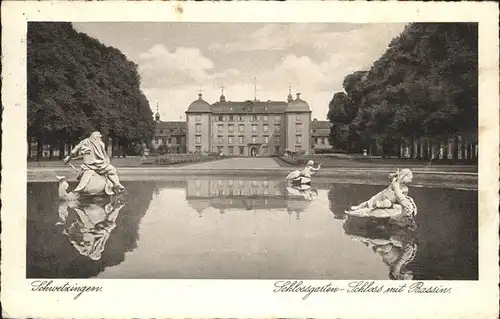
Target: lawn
point(338, 161)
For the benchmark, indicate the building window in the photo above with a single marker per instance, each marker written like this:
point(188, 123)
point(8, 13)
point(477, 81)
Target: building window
point(266, 128)
point(298, 148)
point(156, 141)
point(241, 139)
point(231, 118)
point(277, 127)
point(265, 118)
point(161, 131)
point(298, 139)
point(242, 150)
point(230, 127)
point(198, 117)
point(198, 139)
point(254, 128)
point(230, 140)
point(219, 139)
point(198, 149)
point(230, 150)
point(315, 141)
point(297, 118)
point(198, 128)
point(298, 127)
point(254, 139)
point(276, 149)
point(278, 139)
point(255, 118)
point(220, 148)
point(241, 118)
point(266, 139)
point(173, 141)
point(241, 128)
point(265, 149)
point(321, 141)
point(277, 118)
point(220, 128)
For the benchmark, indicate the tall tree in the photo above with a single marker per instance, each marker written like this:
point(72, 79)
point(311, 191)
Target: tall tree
point(424, 85)
point(77, 85)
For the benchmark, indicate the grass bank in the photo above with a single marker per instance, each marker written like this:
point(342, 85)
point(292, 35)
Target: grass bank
point(329, 161)
point(135, 161)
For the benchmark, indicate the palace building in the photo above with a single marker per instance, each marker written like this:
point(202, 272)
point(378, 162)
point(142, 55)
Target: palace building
point(248, 128)
point(320, 132)
point(170, 136)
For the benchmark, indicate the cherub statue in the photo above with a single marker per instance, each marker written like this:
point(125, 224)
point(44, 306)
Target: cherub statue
point(394, 194)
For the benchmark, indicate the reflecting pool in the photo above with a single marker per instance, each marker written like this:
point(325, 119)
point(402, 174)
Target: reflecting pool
point(244, 228)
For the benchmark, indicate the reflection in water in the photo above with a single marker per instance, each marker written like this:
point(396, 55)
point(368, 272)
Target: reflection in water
point(98, 235)
point(446, 235)
point(245, 233)
point(392, 238)
point(88, 225)
point(393, 242)
point(247, 194)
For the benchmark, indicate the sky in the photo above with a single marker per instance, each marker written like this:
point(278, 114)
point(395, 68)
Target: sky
point(177, 60)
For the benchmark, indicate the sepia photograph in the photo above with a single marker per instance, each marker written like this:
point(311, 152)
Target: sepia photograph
point(284, 158)
point(252, 151)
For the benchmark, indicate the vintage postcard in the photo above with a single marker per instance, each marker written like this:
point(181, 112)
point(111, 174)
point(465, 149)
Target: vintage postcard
point(302, 159)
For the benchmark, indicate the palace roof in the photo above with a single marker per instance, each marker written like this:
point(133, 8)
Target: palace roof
point(298, 105)
point(320, 128)
point(249, 107)
point(170, 128)
point(199, 106)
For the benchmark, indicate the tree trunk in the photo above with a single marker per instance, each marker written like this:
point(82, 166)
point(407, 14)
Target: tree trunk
point(113, 147)
point(28, 155)
point(425, 149)
point(446, 150)
point(39, 148)
point(460, 147)
point(61, 148)
point(454, 149)
point(411, 146)
point(418, 147)
point(468, 153)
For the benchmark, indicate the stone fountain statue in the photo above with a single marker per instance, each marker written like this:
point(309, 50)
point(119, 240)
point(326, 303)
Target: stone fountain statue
point(392, 202)
point(97, 176)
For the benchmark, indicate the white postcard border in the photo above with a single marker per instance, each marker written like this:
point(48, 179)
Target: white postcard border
point(240, 298)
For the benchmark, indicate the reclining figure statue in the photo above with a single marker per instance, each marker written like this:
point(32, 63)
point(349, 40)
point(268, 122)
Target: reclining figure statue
point(393, 201)
point(97, 176)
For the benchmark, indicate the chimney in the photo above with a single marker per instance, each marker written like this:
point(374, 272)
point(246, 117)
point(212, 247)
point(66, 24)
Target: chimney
point(315, 119)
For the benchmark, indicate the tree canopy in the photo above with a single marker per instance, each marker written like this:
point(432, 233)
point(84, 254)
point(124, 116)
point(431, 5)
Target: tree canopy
point(424, 85)
point(77, 85)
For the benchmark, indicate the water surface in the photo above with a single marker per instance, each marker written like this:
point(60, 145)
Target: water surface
point(248, 229)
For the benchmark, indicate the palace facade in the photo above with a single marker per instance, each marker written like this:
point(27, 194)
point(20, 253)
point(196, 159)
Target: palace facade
point(170, 136)
point(248, 128)
point(320, 132)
